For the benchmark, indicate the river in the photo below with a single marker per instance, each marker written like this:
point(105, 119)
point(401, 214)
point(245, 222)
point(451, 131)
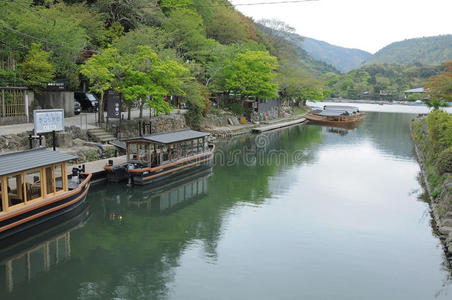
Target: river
point(306, 212)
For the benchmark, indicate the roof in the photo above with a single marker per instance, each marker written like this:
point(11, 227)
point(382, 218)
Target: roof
point(331, 113)
point(349, 109)
point(171, 137)
point(31, 159)
point(417, 90)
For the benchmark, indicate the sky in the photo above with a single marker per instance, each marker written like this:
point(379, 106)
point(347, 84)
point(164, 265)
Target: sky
point(363, 24)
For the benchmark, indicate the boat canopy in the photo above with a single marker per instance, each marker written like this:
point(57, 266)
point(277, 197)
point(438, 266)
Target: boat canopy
point(333, 113)
point(170, 137)
point(348, 109)
point(31, 159)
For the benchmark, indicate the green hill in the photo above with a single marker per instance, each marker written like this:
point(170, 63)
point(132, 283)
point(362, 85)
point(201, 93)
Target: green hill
point(343, 59)
point(433, 50)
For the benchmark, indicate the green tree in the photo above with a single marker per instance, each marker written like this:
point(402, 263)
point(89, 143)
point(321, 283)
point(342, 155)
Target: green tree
point(251, 74)
point(228, 26)
point(37, 69)
point(102, 71)
point(440, 86)
point(150, 78)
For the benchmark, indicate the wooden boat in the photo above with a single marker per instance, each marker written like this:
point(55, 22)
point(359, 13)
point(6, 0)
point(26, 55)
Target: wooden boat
point(35, 187)
point(337, 115)
point(154, 157)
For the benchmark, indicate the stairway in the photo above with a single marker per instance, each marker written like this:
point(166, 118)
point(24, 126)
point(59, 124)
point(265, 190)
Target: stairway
point(100, 135)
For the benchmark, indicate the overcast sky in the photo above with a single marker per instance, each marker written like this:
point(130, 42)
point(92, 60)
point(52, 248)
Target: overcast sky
point(363, 24)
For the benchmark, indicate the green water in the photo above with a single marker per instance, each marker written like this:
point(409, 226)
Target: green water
point(307, 212)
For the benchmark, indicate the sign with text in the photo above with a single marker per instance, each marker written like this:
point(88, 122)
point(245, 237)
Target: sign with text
point(48, 120)
point(113, 105)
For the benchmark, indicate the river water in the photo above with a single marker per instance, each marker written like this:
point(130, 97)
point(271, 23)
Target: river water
point(306, 212)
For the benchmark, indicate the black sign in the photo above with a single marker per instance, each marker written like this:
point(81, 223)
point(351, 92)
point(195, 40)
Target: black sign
point(113, 104)
point(56, 86)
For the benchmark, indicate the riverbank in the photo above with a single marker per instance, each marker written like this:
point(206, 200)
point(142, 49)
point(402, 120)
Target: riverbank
point(438, 185)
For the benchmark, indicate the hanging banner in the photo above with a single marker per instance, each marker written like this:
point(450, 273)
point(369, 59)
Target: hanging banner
point(113, 104)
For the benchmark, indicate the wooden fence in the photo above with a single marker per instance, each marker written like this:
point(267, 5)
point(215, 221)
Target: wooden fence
point(12, 102)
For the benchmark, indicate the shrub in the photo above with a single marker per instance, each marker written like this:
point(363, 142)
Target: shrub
point(237, 109)
point(444, 162)
point(440, 130)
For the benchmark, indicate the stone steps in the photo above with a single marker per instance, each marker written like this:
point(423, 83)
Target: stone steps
point(100, 135)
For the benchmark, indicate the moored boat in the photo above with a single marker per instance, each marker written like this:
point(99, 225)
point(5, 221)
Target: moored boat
point(35, 187)
point(337, 115)
point(154, 157)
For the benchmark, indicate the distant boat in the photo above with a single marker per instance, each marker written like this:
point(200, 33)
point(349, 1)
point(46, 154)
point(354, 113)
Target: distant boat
point(337, 115)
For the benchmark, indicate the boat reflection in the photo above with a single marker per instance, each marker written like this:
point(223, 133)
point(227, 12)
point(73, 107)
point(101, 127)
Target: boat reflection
point(159, 199)
point(340, 131)
point(26, 257)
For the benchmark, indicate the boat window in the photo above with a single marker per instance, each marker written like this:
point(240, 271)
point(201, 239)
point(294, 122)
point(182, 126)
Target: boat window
point(50, 180)
point(33, 184)
point(133, 150)
point(15, 188)
point(58, 178)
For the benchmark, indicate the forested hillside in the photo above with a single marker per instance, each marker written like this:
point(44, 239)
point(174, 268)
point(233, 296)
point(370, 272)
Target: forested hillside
point(343, 59)
point(148, 49)
point(433, 50)
point(379, 81)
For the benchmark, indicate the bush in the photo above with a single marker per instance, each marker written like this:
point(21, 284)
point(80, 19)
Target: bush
point(237, 109)
point(444, 162)
point(440, 130)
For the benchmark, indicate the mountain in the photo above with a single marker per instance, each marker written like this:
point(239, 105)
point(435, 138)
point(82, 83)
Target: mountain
point(343, 59)
point(433, 50)
point(283, 44)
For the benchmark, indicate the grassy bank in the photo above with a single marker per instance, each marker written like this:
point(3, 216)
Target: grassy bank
point(433, 139)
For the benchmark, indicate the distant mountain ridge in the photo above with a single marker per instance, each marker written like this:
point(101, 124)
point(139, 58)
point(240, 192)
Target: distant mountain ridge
point(343, 59)
point(433, 50)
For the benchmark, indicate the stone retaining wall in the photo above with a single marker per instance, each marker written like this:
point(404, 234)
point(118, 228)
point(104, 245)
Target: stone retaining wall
point(162, 123)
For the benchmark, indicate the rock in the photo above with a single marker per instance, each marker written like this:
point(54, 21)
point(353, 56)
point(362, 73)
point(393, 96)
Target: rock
point(447, 222)
point(64, 139)
point(445, 230)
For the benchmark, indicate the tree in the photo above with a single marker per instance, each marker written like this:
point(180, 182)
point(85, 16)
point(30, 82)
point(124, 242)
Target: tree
point(295, 82)
point(251, 74)
point(102, 71)
point(151, 78)
point(440, 86)
point(228, 26)
point(37, 68)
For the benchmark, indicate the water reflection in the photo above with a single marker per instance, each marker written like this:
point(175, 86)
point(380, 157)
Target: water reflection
point(302, 212)
point(25, 258)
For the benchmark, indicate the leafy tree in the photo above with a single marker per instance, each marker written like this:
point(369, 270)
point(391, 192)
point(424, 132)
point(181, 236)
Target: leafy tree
point(102, 70)
point(150, 78)
point(37, 68)
point(188, 35)
point(440, 86)
point(228, 26)
point(295, 82)
point(251, 74)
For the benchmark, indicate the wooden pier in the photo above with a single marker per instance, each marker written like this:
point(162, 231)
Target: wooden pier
point(97, 167)
point(278, 125)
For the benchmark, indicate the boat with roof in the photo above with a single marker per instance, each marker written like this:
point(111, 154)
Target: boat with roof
point(155, 157)
point(35, 187)
point(336, 115)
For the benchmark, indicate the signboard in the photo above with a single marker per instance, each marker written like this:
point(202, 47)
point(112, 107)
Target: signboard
point(56, 86)
point(48, 120)
point(113, 105)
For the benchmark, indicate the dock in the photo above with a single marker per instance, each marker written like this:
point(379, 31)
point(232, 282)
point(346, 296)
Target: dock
point(278, 125)
point(97, 167)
